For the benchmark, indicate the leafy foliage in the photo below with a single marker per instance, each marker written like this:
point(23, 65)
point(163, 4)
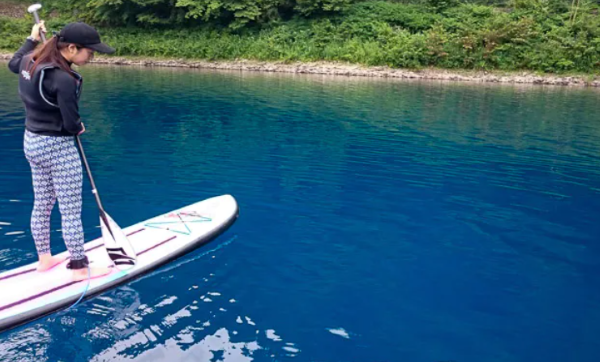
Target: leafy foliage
point(540, 35)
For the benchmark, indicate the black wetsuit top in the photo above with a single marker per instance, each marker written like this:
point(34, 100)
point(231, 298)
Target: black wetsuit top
point(50, 94)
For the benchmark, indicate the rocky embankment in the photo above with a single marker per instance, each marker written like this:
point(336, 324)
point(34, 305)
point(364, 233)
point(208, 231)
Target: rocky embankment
point(328, 68)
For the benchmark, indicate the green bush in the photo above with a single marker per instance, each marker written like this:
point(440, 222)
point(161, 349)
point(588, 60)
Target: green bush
point(540, 35)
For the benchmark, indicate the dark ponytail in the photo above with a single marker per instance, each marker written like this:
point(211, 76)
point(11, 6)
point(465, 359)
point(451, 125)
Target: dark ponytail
point(50, 53)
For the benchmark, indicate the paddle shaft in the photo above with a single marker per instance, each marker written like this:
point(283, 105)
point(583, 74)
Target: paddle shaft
point(89, 172)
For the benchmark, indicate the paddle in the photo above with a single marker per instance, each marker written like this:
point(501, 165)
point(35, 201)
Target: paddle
point(116, 243)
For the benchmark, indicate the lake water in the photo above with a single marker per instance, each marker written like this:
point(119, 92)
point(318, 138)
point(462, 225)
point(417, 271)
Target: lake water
point(379, 220)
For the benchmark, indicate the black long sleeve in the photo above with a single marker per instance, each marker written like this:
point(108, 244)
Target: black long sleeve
point(65, 88)
point(15, 62)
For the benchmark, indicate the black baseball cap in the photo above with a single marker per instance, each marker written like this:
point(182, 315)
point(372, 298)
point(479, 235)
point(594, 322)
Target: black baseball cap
point(84, 35)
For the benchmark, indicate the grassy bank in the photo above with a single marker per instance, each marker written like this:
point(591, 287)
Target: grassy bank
point(532, 35)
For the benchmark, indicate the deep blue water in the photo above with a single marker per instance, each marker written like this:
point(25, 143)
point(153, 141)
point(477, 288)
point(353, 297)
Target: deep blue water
point(379, 220)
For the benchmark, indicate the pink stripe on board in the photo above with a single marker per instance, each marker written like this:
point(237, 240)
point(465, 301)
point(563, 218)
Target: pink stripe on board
point(27, 271)
point(71, 283)
point(36, 296)
point(157, 245)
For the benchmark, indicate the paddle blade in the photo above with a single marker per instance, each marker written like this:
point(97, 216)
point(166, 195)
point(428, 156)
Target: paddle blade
point(117, 245)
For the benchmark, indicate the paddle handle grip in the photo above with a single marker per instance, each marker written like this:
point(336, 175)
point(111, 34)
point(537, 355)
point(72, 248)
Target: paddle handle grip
point(37, 21)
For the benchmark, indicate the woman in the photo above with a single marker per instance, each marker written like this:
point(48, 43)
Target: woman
point(50, 90)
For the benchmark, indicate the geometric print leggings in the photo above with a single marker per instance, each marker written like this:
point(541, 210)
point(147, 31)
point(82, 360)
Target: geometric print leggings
point(56, 174)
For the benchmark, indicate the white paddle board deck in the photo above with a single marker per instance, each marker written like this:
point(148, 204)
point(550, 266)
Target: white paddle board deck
point(26, 294)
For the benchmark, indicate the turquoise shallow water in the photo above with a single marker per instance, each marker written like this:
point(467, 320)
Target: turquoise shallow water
point(379, 220)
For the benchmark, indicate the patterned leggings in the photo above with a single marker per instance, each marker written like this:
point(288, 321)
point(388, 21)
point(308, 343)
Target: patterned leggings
point(56, 173)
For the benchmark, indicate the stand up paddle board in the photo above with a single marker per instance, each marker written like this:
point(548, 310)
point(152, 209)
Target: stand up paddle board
point(26, 294)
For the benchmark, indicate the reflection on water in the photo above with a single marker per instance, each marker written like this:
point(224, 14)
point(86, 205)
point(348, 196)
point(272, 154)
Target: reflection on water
point(171, 328)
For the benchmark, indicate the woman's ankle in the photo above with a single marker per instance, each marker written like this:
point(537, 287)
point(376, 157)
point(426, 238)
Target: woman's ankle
point(47, 261)
point(83, 274)
point(78, 264)
point(45, 257)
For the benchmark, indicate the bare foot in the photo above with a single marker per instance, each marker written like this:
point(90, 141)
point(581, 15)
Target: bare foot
point(82, 274)
point(47, 261)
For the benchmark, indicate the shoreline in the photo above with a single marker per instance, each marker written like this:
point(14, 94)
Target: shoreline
point(354, 70)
